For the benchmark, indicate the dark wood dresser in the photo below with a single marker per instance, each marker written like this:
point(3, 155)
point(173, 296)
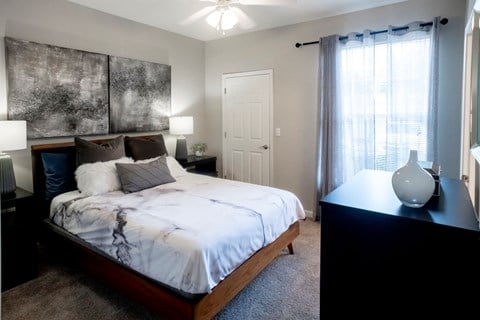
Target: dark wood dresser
point(383, 260)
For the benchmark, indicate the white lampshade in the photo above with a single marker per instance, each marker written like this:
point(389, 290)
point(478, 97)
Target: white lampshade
point(13, 135)
point(181, 125)
point(214, 18)
point(229, 20)
point(222, 19)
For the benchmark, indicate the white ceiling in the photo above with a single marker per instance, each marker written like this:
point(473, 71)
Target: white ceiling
point(184, 16)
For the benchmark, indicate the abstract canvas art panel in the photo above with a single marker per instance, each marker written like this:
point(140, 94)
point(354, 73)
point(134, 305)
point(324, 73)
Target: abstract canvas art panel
point(140, 95)
point(59, 91)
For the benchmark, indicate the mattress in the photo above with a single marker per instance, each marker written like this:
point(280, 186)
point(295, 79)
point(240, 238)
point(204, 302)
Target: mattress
point(188, 235)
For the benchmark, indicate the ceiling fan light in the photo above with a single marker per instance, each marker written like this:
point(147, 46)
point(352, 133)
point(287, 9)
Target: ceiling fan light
point(229, 20)
point(214, 18)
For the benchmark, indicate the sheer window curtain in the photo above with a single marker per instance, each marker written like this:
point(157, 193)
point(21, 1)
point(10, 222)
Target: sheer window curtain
point(377, 100)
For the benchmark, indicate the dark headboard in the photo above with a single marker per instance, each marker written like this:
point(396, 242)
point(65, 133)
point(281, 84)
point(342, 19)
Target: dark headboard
point(38, 171)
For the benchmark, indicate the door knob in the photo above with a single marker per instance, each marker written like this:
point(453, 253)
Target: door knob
point(265, 147)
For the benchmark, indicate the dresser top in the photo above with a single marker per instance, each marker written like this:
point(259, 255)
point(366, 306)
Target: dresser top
point(372, 191)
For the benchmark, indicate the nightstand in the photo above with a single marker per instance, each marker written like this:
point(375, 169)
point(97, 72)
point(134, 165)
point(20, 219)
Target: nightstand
point(206, 165)
point(19, 250)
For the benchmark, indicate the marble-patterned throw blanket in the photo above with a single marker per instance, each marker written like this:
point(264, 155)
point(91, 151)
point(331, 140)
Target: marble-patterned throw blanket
point(189, 234)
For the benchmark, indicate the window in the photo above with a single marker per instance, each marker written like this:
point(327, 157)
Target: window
point(384, 83)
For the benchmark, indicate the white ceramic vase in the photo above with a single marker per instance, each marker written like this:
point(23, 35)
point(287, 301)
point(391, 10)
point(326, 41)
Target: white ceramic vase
point(412, 184)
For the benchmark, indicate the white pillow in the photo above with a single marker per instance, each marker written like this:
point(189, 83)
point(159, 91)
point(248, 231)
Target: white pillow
point(99, 177)
point(176, 169)
point(147, 160)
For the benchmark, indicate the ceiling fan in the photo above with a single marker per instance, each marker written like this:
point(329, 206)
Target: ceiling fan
point(225, 14)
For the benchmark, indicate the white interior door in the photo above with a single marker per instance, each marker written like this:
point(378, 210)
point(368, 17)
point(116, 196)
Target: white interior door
point(247, 121)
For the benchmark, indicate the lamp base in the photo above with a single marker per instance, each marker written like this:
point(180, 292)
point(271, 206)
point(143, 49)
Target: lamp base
point(7, 176)
point(181, 152)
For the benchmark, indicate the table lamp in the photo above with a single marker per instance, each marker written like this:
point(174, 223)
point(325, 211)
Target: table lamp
point(181, 126)
point(13, 136)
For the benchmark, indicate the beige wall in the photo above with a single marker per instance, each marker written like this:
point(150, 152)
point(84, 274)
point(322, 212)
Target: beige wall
point(295, 83)
point(61, 23)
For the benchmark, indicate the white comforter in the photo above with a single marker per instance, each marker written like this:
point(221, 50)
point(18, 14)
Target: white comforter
point(189, 234)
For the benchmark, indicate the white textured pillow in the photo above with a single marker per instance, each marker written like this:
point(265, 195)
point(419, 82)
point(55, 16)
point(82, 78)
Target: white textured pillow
point(176, 169)
point(99, 177)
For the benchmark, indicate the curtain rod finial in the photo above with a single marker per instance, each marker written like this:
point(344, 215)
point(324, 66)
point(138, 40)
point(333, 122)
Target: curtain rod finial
point(298, 44)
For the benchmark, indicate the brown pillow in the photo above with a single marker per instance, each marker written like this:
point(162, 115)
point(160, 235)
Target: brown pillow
point(140, 148)
point(90, 152)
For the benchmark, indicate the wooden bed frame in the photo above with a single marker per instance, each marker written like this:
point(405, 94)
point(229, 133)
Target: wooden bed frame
point(133, 284)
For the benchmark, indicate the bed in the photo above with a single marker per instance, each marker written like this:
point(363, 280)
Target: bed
point(211, 236)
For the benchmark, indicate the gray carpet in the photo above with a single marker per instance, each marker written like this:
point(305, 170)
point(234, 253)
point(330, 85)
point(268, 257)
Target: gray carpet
point(289, 288)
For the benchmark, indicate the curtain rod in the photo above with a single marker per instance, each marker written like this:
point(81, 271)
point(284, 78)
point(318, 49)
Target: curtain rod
point(443, 21)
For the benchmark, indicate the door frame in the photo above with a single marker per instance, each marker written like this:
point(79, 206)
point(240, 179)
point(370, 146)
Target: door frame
point(268, 72)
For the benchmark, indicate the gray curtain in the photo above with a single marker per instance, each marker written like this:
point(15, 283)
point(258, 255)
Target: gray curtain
point(327, 100)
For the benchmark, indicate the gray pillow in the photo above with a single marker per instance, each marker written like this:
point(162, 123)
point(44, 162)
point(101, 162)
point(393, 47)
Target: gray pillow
point(138, 176)
point(90, 152)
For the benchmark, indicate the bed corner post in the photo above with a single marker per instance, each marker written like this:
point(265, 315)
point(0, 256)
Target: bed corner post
point(290, 248)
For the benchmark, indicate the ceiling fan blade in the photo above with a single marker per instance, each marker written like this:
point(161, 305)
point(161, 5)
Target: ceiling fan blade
point(197, 15)
point(243, 19)
point(268, 2)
